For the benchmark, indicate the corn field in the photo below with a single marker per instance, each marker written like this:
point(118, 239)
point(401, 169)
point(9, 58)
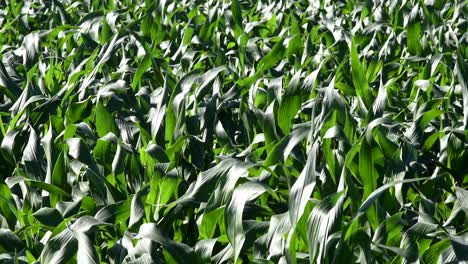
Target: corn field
point(243, 131)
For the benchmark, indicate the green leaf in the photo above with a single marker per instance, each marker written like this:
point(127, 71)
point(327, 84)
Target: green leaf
point(60, 248)
point(273, 57)
point(86, 251)
point(104, 121)
point(290, 104)
point(38, 184)
point(233, 213)
point(375, 194)
point(413, 35)
point(142, 68)
point(322, 220)
point(137, 210)
point(369, 177)
point(10, 242)
point(179, 251)
point(237, 13)
point(303, 186)
point(48, 216)
point(204, 248)
point(360, 82)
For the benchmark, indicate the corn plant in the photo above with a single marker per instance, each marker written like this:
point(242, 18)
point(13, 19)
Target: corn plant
point(268, 131)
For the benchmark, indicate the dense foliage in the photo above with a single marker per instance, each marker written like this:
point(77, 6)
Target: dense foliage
point(236, 131)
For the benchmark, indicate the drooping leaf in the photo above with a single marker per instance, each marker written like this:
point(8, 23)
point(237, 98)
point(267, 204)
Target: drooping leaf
point(235, 231)
point(323, 218)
